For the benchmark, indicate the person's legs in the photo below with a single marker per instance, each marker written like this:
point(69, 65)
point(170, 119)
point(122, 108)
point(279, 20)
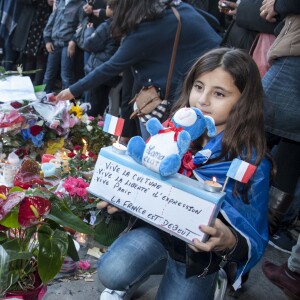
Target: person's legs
point(132, 258)
point(114, 99)
point(53, 65)
point(294, 259)
point(176, 286)
point(98, 98)
point(67, 69)
point(286, 276)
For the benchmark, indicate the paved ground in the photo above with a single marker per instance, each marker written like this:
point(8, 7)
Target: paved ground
point(256, 288)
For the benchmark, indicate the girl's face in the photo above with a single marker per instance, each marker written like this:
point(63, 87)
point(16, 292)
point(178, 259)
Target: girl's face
point(215, 93)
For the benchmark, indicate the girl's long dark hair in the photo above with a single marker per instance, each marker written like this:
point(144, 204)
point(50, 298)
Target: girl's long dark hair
point(129, 13)
point(244, 133)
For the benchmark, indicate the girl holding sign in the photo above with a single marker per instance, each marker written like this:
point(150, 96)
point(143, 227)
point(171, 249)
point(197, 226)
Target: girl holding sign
point(224, 84)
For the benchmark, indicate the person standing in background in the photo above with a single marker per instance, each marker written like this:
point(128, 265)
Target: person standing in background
point(28, 37)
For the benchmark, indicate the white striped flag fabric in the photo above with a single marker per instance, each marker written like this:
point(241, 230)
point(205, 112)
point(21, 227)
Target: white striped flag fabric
point(240, 170)
point(113, 125)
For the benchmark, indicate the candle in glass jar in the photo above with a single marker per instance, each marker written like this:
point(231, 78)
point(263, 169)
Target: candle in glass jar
point(81, 238)
point(119, 148)
point(212, 185)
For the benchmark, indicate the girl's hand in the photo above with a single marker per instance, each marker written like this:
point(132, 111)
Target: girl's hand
point(110, 208)
point(221, 238)
point(65, 95)
point(89, 25)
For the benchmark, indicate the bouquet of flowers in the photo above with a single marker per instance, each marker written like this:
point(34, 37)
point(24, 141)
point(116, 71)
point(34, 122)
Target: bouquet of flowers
point(74, 194)
point(91, 130)
point(81, 164)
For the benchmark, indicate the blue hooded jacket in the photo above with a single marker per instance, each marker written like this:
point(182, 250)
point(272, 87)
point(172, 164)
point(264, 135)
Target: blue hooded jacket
point(250, 220)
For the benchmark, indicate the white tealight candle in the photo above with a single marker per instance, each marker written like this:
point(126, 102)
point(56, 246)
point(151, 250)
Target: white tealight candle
point(212, 185)
point(119, 148)
point(81, 239)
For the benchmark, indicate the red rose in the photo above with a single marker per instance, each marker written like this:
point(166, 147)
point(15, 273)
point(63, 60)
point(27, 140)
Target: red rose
point(77, 147)
point(35, 129)
point(21, 152)
point(91, 154)
point(82, 156)
point(71, 154)
point(16, 104)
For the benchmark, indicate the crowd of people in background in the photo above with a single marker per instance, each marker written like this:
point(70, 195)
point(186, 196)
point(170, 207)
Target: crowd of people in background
point(105, 51)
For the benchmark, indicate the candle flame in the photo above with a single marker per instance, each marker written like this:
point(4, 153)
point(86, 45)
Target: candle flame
point(214, 179)
point(84, 141)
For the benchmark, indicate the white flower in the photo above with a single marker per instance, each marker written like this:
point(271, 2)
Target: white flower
point(85, 119)
point(89, 128)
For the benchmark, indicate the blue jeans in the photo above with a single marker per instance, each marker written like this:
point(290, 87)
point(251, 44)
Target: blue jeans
point(282, 98)
point(294, 259)
point(59, 60)
point(136, 255)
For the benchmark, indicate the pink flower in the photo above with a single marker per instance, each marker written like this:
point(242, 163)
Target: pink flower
point(76, 186)
point(84, 265)
point(91, 118)
point(101, 123)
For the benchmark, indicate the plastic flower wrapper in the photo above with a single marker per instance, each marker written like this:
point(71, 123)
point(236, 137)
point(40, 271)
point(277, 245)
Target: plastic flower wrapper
point(29, 174)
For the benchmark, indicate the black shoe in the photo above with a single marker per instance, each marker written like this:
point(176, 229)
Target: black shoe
point(282, 241)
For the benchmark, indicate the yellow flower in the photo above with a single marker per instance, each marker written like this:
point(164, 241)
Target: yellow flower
point(76, 110)
point(55, 145)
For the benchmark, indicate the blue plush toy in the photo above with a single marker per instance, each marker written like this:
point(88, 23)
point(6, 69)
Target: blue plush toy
point(165, 148)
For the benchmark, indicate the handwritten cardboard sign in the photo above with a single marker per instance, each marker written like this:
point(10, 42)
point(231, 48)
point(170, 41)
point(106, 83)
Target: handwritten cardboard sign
point(176, 204)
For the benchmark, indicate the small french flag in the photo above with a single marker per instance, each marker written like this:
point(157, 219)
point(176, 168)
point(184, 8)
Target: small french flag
point(241, 170)
point(113, 125)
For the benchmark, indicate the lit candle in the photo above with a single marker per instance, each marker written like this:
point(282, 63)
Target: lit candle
point(81, 239)
point(85, 145)
point(212, 185)
point(119, 148)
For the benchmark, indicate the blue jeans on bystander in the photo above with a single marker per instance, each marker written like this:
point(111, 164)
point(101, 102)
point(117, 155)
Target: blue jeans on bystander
point(59, 60)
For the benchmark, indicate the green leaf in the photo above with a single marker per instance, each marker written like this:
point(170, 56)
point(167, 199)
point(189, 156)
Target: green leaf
point(61, 214)
point(53, 246)
point(3, 237)
point(72, 251)
point(11, 219)
point(15, 189)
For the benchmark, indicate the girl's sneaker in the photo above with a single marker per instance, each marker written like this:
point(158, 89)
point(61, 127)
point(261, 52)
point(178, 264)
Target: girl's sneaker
point(108, 294)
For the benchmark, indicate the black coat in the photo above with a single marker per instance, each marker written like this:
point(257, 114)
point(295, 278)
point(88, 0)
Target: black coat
point(29, 9)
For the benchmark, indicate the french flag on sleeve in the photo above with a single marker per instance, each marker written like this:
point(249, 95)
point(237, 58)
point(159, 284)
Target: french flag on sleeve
point(240, 170)
point(113, 125)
